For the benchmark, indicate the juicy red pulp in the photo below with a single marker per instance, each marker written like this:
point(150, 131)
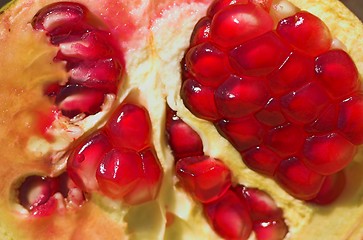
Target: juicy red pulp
point(94, 63)
point(233, 211)
point(285, 100)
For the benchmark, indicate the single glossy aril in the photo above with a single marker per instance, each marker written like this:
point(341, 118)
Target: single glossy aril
point(243, 133)
point(205, 178)
point(183, 140)
point(149, 182)
point(259, 56)
point(305, 32)
point(240, 96)
point(200, 99)
point(297, 179)
point(332, 188)
point(336, 70)
point(208, 64)
point(238, 23)
point(129, 127)
point(329, 153)
point(262, 160)
point(229, 216)
point(85, 159)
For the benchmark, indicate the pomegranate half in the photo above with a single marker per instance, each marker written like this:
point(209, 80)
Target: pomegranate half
point(104, 134)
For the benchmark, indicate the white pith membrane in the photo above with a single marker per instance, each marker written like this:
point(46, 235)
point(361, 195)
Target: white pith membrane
point(152, 63)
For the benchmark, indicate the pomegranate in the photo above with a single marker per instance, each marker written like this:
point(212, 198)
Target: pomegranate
point(207, 119)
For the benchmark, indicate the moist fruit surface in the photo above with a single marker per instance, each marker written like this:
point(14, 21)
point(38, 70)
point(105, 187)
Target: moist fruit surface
point(180, 119)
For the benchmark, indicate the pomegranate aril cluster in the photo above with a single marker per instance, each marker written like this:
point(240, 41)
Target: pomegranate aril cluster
point(43, 196)
point(232, 210)
point(285, 99)
point(119, 160)
point(93, 61)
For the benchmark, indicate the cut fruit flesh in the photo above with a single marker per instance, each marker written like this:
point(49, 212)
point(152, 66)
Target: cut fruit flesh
point(96, 209)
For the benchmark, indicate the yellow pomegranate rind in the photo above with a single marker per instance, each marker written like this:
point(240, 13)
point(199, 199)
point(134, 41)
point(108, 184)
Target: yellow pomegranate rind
point(152, 54)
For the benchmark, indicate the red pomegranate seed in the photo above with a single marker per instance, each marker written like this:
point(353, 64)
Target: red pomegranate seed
point(85, 159)
point(58, 14)
point(208, 64)
point(270, 230)
point(329, 153)
point(205, 178)
point(262, 160)
point(199, 99)
point(296, 71)
point(148, 185)
point(271, 114)
point(259, 56)
point(74, 99)
point(240, 96)
point(183, 140)
point(337, 72)
point(101, 74)
point(297, 179)
point(261, 205)
point(286, 140)
point(92, 45)
point(350, 119)
point(243, 133)
point(332, 188)
point(119, 172)
point(326, 122)
point(129, 127)
point(36, 191)
point(304, 105)
point(238, 23)
point(306, 32)
point(229, 216)
point(201, 31)
point(218, 5)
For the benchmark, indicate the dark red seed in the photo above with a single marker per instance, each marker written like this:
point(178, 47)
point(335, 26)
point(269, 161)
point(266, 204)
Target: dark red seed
point(201, 32)
point(129, 127)
point(57, 14)
point(199, 99)
point(270, 230)
point(298, 180)
point(305, 32)
point(350, 119)
point(73, 100)
point(119, 172)
point(296, 71)
point(183, 140)
point(229, 216)
point(85, 159)
point(336, 70)
point(240, 96)
point(329, 153)
point(286, 140)
point(304, 105)
point(271, 114)
point(102, 74)
point(326, 122)
point(243, 133)
point(205, 178)
point(262, 160)
point(148, 185)
point(236, 24)
point(208, 64)
point(332, 188)
point(218, 5)
point(259, 56)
